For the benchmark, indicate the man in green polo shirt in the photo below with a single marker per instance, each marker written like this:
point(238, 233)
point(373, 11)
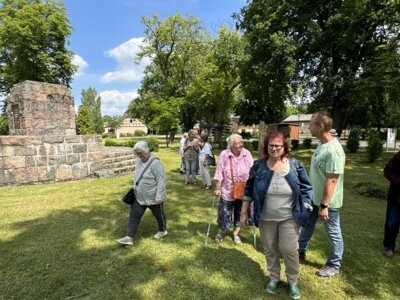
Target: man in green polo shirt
point(326, 177)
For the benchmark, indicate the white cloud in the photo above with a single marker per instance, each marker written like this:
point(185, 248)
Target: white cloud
point(81, 64)
point(114, 102)
point(127, 70)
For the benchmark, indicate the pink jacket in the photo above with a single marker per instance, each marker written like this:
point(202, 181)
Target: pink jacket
point(240, 166)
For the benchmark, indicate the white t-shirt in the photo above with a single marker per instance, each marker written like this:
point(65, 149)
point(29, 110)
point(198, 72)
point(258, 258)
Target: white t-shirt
point(205, 150)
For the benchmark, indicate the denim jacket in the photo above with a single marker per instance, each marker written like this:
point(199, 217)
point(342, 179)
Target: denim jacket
point(258, 183)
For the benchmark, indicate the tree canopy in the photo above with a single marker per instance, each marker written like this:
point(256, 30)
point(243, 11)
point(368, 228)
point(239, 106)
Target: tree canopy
point(84, 123)
point(330, 48)
point(192, 77)
point(92, 101)
point(33, 39)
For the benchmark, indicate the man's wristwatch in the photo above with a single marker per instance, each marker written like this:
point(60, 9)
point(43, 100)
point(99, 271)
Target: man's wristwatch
point(323, 205)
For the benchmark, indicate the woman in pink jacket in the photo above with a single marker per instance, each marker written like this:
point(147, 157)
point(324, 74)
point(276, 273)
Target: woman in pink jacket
point(233, 165)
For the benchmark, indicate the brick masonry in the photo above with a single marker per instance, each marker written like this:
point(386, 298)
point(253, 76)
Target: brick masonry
point(37, 108)
point(34, 159)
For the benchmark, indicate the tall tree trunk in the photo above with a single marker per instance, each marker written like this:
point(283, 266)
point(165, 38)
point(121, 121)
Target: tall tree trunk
point(339, 117)
point(167, 139)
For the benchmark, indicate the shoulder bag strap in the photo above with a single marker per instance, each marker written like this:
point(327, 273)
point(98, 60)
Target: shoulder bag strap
point(145, 169)
point(230, 163)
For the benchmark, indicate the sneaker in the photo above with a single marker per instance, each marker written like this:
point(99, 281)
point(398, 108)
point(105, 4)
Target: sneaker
point(294, 291)
point(327, 271)
point(302, 255)
point(272, 286)
point(127, 240)
point(219, 237)
point(387, 252)
point(236, 239)
point(160, 234)
point(207, 187)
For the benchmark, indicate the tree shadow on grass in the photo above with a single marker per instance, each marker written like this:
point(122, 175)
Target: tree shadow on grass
point(73, 253)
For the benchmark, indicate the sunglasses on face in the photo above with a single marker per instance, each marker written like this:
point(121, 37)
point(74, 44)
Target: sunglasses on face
point(277, 147)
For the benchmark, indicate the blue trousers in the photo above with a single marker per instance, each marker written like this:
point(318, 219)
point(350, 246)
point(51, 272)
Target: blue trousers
point(391, 225)
point(332, 229)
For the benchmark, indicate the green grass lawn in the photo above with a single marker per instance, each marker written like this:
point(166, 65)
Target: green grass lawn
point(58, 241)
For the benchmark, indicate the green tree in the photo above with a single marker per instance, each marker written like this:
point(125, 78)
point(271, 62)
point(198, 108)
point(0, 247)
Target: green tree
point(326, 47)
point(114, 122)
point(3, 124)
point(173, 44)
point(214, 89)
point(33, 39)
point(84, 124)
point(92, 101)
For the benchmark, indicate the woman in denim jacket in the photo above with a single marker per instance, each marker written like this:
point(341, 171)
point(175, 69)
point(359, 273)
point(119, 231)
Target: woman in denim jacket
point(280, 191)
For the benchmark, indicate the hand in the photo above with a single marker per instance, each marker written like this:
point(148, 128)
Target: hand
point(205, 163)
point(323, 214)
point(158, 202)
point(217, 192)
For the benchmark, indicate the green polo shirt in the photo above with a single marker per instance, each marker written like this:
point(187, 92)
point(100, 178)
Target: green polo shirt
point(328, 158)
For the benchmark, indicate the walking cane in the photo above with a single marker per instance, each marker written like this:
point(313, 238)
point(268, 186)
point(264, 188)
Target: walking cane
point(209, 223)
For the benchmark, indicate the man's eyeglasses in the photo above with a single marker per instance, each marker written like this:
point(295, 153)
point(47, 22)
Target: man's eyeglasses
point(277, 147)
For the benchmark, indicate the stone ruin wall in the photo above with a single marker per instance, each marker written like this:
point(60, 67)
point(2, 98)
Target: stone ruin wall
point(43, 145)
point(38, 159)
point(36, 108)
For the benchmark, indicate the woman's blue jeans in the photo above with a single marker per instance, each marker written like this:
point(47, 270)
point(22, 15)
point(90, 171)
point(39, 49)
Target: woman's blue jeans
point(332, 229)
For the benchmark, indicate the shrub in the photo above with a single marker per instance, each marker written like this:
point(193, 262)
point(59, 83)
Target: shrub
point(255, 145)
point(248, 145)
point(295, 145)
point(153, 144)
point(140, 133)
point(370, 189)
point(353, 142)
point(374, 148)
point(245, 135)
point(131, 143)
point(307, 143)
point(110, 143)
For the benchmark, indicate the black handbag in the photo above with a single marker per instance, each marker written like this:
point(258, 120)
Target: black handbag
point(211, 159)
point(129, 197)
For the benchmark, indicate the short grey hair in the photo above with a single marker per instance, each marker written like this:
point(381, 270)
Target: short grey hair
point(192, 131)
point(185, 135)
point(232, 138)
point(142, 145)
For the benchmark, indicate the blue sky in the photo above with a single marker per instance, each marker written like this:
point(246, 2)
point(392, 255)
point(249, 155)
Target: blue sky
point(107, 34)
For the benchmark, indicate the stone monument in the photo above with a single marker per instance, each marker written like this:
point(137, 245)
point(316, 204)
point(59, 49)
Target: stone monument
point(43, 145)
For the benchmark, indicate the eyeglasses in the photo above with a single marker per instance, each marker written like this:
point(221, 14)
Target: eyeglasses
point(139, 153)
point(277, 147)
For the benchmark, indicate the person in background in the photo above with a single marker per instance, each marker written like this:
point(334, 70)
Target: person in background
point(205, 152)
point(392, 223)
point(181, 152)
point(326, 177)
point(280, 190)
point(334, 134)
point(191, 156)
point(233, 165)
point(150, 193)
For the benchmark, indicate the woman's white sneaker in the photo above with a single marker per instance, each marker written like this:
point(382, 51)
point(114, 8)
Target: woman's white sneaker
point(127, 240)
point(160, 234)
